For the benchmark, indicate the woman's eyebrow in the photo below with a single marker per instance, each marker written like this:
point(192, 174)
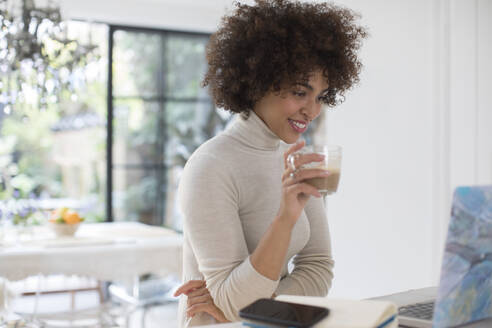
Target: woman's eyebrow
point(308, 86)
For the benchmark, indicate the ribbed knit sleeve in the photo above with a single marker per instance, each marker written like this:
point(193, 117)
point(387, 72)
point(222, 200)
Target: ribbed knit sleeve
point(209, 202)
point(313, 265)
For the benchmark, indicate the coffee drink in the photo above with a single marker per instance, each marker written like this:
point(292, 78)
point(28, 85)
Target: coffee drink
point(332, 154)
point(326, 185)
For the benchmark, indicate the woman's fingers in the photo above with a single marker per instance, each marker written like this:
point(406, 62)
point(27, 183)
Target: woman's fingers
point(301, 175)
point(204, 303)
point(202, 307)
point(188, 286)
point(198, 299)
point(292, 149)
point(198, 292)
point(303, 188)
point(287, 174)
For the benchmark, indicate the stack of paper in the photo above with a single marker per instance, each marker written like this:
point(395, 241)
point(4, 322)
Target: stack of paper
point(350, 313)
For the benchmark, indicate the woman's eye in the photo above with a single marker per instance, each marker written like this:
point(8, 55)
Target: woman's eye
point(299, 93)
point(322, 98)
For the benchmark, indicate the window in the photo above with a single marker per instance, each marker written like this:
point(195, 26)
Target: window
point(160, 115)
point(67, 154)
point(55, 156)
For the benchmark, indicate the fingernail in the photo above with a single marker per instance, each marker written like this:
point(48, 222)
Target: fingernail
point(326, 172)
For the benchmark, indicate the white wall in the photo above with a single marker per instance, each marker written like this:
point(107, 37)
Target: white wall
point(468, 105)
point(381, 218)
point(484, 92)
point(419, 123)
point(187, 15)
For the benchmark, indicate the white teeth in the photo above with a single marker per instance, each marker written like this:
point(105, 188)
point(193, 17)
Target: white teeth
point(299, 125)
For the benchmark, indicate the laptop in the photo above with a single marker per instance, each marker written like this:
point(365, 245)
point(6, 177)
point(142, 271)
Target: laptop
point(464, 295)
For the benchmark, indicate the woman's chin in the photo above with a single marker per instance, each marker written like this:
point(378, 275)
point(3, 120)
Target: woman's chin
point(291, 139)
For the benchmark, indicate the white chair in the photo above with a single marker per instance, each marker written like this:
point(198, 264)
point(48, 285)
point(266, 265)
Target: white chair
point(146, 292)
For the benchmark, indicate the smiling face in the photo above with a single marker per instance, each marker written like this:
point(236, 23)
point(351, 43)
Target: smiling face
point(288, 112)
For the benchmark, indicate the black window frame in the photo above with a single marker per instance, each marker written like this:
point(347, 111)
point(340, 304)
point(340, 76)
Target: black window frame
point(112, 28)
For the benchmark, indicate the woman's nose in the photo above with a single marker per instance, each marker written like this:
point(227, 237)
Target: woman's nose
point(312, 110)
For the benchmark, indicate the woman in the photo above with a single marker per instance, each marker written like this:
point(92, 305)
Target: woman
point(246, 213)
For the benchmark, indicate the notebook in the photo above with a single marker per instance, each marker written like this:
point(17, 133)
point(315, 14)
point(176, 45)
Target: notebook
point(350, 313)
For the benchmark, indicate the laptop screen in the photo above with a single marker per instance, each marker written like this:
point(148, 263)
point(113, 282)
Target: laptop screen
point(465, 289)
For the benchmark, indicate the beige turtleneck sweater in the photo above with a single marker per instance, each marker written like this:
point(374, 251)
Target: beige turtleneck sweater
point(229, 194)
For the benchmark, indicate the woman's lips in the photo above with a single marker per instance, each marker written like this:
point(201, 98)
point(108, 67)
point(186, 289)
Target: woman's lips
point(298, 126)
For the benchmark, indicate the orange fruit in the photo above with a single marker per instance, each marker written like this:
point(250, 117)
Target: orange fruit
point(56, 214)
point(71, 217)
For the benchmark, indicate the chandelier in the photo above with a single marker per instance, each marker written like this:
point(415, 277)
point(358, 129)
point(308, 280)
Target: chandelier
point(37, 59)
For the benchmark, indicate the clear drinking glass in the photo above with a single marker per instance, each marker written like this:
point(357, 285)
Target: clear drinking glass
point(332, 162)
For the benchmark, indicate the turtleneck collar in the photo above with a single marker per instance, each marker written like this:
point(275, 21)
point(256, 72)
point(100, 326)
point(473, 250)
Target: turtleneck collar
point(252, 131)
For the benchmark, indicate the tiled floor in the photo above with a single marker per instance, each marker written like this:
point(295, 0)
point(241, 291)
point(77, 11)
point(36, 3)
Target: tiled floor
point(83, 308)
point(162, 316)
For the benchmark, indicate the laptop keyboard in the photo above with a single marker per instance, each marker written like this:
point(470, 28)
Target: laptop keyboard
point(422, 311)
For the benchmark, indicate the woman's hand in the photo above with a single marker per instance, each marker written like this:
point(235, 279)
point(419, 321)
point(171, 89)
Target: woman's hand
point(295, 192)
point(199, 300)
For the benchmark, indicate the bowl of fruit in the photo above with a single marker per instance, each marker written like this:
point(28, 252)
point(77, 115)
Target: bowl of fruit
point(64, 222)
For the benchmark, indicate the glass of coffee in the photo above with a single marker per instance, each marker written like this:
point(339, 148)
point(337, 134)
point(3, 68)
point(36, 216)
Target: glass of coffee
point(332, 162)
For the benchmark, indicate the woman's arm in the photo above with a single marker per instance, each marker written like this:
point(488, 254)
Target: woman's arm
point(313, 266)
point(209, 201)
point(269, 256)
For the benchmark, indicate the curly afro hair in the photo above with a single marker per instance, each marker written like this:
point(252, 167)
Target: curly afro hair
point(263, 47)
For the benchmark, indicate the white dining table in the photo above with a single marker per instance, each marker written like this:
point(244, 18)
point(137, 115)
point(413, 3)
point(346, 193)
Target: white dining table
point(105, 251)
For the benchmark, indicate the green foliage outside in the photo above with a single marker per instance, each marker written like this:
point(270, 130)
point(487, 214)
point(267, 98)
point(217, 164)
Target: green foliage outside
point(161, 115)
point(27, 171)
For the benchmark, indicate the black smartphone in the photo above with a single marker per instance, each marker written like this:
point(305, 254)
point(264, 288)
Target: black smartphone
point(280, 313)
